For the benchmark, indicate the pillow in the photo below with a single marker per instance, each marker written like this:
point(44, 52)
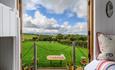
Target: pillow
point(107, 47)
point(97, 44)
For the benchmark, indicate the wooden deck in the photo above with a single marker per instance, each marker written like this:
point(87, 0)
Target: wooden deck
point(52, 69)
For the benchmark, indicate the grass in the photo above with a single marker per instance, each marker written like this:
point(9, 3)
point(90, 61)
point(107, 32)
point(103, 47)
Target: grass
point(45, 48)
point(29, 36)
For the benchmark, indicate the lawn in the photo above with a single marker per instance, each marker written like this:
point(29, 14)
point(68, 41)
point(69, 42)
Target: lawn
point(28, 36)
point(45, 48)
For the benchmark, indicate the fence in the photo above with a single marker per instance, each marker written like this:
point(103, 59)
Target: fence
point(49, 48)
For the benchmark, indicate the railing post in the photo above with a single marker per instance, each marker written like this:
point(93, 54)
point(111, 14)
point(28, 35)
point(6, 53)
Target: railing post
point(35, 56)
point(73, 55)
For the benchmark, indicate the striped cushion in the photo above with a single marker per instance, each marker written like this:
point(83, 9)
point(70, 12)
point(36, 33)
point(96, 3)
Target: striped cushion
point(106, 65)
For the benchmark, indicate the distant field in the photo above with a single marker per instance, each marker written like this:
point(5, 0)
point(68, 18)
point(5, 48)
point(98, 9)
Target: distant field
point(48, 48)
point(28, 36)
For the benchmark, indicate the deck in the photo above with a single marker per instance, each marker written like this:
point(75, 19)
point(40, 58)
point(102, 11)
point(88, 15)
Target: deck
point(52, 69)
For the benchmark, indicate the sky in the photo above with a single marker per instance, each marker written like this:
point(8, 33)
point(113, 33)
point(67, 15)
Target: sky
point(55, 16)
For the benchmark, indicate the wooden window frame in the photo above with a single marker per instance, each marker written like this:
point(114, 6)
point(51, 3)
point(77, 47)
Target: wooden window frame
point(90, 30)
point(20, 14)
point(90, 27)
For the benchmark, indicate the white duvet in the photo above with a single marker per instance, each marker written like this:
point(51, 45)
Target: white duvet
point(92, 65)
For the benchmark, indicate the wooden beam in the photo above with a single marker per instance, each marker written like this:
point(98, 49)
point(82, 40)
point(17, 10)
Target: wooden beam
point(19, 8)
point(90, 29)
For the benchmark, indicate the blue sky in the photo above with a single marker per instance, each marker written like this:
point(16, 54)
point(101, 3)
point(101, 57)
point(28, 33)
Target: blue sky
point(55, 16)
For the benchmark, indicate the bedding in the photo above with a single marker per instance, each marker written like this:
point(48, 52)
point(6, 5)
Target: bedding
point(103, 64)
point(106, 65)
point(92, 65)
point(100, 65)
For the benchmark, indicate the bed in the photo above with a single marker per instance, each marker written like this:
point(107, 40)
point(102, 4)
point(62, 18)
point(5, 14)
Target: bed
point(100, 64)
point(92, 65)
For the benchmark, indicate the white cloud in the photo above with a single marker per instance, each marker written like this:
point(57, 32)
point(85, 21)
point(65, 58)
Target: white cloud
point(30, 5)
point(44, 22)
point(40, 24)
point(79, 7)
point(29, 30)
point(28, 21)
point(79, 28)
point(57, 6)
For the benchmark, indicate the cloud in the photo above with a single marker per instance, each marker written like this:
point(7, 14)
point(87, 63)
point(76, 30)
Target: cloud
point(40, 24)
point(28, 21)
point(29, 30)
point(30, 5)
point(78, 28)
point(57, 6)
point(44, 22)
point(79, 7)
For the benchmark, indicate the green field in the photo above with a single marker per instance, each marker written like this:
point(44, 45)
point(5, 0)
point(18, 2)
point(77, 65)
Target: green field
point(28, 36)
point(50, 48)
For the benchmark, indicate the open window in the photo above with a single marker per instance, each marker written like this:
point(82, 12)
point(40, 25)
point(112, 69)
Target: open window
point(45, 39)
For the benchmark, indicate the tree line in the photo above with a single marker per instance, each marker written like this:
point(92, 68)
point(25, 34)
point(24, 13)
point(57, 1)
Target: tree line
point(61, 38)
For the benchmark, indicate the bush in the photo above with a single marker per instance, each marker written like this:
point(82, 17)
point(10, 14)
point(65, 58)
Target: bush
point(66, 42)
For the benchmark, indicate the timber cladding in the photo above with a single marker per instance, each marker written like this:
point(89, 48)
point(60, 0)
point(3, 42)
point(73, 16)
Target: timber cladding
point(90, 29)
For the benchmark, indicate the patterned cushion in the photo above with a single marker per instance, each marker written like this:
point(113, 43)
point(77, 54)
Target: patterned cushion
point(107, 47)
point(97, 44)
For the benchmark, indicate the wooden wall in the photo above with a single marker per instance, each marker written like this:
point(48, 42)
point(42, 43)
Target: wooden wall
point(10, 3)
point(101, 22)
point(7, 22)
point(20, 8)
point(90, 29)
point(6, 53)
point(9, 28)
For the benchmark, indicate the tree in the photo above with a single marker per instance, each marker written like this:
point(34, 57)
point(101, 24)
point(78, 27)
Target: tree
point(83, 38)
point(54, 38)
point(59, 36)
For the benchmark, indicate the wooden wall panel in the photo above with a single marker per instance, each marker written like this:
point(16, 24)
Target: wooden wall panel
point(6, 53)
point(19, 7)
point(13, 24)
point(0, 20)
point(90, 29)
point(102, 22)
point(10, 3)
point(6, 21)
